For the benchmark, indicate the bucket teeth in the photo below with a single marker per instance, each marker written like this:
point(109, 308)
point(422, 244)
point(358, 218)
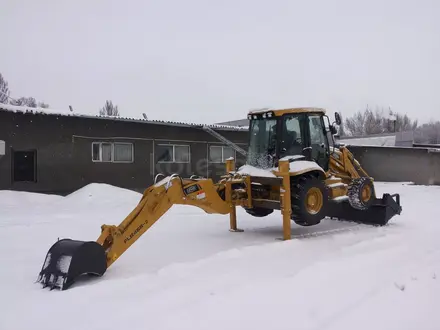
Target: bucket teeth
point(52, 281)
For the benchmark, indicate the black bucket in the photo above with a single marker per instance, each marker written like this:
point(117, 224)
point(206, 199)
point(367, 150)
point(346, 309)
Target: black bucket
point(379, 213)
point(68, 259)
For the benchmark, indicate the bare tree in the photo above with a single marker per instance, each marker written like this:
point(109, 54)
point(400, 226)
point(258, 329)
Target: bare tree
point(355, 125)
point(43, 105)
point(404, 123)
point(374, 122)
point(379, 121)
point(109, 109)
point(22, 101)
point(25, 101)
point(4, 90)
point(428, 133)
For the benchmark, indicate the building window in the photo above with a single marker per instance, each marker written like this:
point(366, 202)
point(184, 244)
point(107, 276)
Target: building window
point(123, 152)
point(118, 152)
point(170, 153)
point(2, 148)
point(25, 166)
point(219, 154)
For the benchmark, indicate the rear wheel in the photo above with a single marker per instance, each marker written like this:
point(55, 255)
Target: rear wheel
point(309, 200)
point(258, 212)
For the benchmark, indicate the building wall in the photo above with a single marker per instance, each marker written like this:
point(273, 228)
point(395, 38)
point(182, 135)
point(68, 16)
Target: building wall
point(64, 151)
point(394, 164)
point(404, 139)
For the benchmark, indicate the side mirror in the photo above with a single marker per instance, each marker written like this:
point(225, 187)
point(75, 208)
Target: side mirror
point(333, 130)
point(338, 118)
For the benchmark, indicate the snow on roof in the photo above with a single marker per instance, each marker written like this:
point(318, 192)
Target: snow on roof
point(381, 141)
point(46, 111)
point(235, 123)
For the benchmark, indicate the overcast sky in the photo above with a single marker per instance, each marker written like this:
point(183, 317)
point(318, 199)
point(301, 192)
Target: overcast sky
point(210, 61)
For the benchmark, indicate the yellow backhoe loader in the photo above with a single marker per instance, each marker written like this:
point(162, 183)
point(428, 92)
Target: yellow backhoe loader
point(293, 165)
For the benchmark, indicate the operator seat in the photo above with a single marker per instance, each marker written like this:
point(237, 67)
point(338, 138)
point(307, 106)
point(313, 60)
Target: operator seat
point(291, 144)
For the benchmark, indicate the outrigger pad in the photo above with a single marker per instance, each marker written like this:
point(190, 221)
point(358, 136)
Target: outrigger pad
point(67, 259)
point(379, 213)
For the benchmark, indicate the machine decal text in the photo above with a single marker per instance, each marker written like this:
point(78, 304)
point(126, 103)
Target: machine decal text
point(137, 230)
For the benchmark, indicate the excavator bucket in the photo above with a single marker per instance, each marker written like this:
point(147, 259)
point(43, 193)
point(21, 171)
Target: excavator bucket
point(68, 259)
point(379, 213)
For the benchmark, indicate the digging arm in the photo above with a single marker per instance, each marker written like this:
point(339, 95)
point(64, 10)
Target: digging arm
point(155, 202)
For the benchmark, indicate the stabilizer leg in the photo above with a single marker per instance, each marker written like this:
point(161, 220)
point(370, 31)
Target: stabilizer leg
point(230, 166)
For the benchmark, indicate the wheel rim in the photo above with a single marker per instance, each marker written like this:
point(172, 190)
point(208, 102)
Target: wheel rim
point(314, 200)
point(366, 193)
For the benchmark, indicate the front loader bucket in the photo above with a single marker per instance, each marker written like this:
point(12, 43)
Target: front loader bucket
point(67, 259)
point(379, 213)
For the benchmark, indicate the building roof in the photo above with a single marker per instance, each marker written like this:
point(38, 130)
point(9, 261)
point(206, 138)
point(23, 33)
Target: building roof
point(383, 140)
point(236, 123)
point(53, 112)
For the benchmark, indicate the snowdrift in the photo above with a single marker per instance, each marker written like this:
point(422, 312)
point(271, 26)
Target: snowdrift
point(102, 193)
point(190, 272)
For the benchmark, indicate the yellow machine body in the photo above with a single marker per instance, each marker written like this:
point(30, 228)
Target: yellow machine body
point(297, 186)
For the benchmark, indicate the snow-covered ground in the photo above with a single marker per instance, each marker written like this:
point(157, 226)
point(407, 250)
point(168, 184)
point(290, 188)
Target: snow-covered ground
point(189, 272)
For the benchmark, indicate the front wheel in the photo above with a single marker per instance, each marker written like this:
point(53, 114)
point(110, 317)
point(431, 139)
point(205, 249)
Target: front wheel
point(309, 200)
point(361, 193)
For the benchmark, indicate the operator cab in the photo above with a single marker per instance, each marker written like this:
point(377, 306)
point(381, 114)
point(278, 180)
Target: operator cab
point(290, 132)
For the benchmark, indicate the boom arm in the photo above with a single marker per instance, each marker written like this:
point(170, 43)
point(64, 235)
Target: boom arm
point(344, 165)
point(155, 202)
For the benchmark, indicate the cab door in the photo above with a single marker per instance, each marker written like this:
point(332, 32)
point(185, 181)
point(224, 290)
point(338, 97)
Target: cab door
point(318, 140)
point(293, 132)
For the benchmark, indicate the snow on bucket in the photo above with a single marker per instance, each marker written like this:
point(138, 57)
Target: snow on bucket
point(68, 259)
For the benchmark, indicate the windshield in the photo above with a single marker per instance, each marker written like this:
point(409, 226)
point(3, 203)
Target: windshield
point(262, 148)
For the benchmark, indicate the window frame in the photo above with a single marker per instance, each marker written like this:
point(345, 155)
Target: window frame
point(173, 161)
point(223, 153)
point(112, 154)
